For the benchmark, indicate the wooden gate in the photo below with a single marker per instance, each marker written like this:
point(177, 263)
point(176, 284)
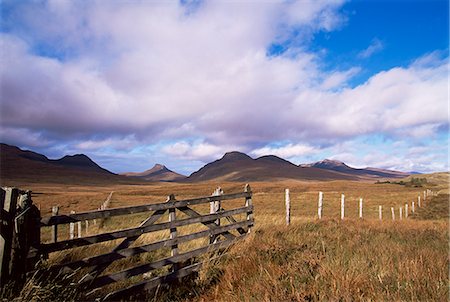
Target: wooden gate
point(219, 228)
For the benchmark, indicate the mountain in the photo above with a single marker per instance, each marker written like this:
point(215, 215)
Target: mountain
point(157, 173)
point(18, 165)
point(339, 166)
point(236, 166)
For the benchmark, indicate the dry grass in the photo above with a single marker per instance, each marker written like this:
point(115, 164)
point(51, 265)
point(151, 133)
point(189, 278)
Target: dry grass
point(310, 260)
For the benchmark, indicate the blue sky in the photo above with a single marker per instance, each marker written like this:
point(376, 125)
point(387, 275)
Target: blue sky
point(136, 83)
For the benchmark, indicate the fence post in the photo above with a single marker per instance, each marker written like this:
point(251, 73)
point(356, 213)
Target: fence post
point(8, 212)
point(360, 208)
point(26, 237)
point(214, 207)
point(401, 212)
point(248, 203)
point(406, 210)
point(380, 212)
point(393, 213)
point(173, 231)
point(342, 206)
point(319, 210)
point(418, 201)
point(71, 228)
point(412, 207)
point(87, 227)
point(55, 210)
point(79, 229)
point(288, 207)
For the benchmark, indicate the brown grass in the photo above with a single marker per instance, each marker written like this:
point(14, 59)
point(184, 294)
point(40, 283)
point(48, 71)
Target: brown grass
point(310, 260)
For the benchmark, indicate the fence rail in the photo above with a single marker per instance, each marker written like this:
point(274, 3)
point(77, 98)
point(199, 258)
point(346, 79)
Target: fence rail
point(223, 229)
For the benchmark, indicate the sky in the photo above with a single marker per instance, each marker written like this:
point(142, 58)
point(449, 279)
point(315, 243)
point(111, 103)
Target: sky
point(135, 83)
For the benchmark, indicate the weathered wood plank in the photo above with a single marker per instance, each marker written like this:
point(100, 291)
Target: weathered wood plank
point(210, 224)
point(124, 253)
point(152, 283)
point(138, 270)
point(232, 220)
point(62, 219)
point(57, 246)
point(98, 269)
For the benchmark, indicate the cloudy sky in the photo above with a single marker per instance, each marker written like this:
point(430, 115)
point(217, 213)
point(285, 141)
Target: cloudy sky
point(134, 83)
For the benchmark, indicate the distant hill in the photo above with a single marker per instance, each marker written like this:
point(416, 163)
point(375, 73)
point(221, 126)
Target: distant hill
point(157, 173)
point(236, 166)
point(339, 166)
point(18, 165)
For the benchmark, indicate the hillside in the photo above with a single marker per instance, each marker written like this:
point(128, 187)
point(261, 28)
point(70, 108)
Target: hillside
point(236, 166)
point(18, 166)
point(157, 173)
point(339, 166)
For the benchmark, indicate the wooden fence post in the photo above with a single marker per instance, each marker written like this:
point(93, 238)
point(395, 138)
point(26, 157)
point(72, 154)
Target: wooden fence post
point(87, 227)
point(8, 212)
point(79, 229)
point(288, 207)
point(173, 231)
point(360, 208)
point(319, 210)
point(55, 210)
point(412, 207)
point(418, 201)
point(248, 203)
point(380, 212)
point(406, 210)
point(400, 212)
point(214, 207)
point(393, 213)
point(342, 206)
point(71, 228)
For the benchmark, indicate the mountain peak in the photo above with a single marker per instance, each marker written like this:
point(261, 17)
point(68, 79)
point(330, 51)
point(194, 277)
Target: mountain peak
point(235, 155)
point(158, 167)
point(331, 162)
point(79, 160)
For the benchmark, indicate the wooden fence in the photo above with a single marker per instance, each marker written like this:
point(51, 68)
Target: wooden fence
point(220, 228)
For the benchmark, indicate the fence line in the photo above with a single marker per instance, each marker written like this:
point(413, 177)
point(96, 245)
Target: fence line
point(403, 211)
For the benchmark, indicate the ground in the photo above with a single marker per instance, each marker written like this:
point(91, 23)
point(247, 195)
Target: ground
point(312, 259)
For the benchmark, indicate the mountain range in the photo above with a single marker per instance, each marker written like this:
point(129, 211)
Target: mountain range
point(22, 165)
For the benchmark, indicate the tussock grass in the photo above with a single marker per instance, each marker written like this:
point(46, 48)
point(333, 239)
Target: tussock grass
point(334, 260)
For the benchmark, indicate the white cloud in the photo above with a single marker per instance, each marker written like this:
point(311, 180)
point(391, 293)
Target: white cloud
point(197, 150)
point(149, 72)
point(287, 151)
point(375, 46)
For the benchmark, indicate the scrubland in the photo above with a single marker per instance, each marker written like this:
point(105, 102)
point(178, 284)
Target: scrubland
point(310, 260)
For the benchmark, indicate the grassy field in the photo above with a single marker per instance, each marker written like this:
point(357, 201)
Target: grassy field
point(330, 259)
